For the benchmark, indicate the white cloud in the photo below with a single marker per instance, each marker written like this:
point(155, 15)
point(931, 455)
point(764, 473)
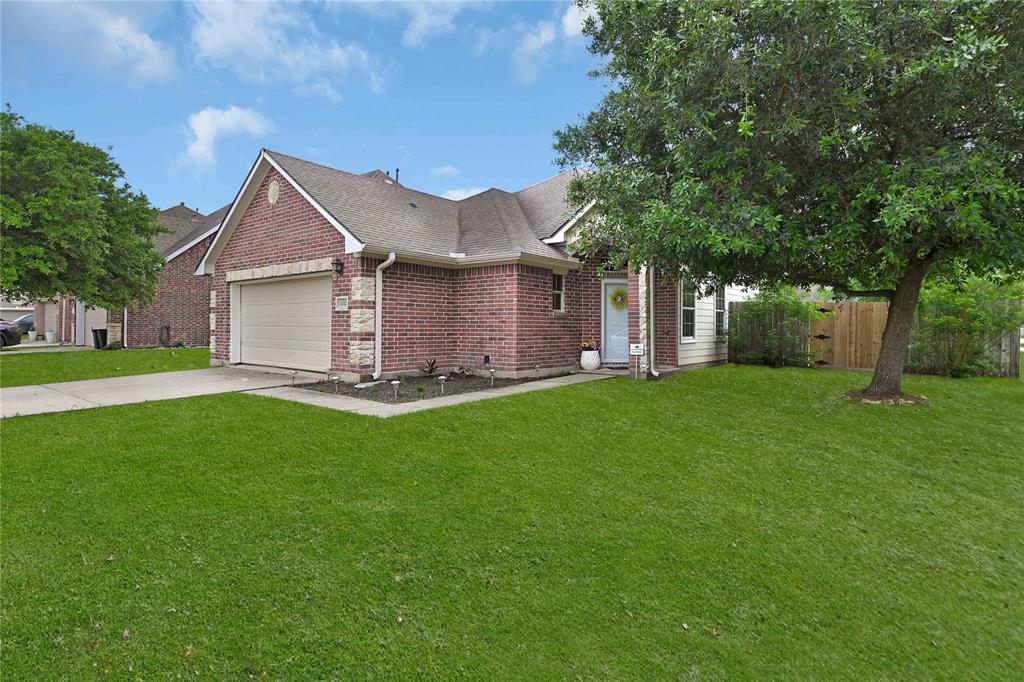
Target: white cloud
point(445, 171)
point(573, 19)
point(105, 37)
point(210, 124)
point(275, 42)
point(428, 20)
point(459, 194)
point(531, 50)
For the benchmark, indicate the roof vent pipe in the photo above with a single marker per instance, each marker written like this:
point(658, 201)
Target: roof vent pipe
point(396, 175)
point(378, 317)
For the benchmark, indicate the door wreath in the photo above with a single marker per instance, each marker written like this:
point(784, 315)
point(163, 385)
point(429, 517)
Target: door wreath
point(619, 298)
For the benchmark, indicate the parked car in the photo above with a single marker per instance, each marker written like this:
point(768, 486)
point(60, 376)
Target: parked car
point(10, 334)
point(26, 322)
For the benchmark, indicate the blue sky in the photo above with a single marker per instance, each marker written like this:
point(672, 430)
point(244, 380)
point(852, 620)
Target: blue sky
point(461, 96)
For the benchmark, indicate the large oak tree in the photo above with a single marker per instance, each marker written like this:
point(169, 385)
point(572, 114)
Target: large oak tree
point(855, 145)
point(69, 224)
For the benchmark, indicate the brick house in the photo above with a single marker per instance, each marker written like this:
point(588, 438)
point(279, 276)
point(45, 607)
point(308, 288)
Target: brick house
point(314, 268)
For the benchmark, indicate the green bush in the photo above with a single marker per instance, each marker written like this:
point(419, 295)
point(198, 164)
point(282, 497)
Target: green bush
point(771, 328)
point(961, 324)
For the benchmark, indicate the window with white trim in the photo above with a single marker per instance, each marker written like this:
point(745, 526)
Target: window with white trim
point(720, 311)
point(687, 312)
point(558, 292)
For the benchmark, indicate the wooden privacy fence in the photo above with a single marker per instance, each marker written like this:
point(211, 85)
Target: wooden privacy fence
point(849, 337)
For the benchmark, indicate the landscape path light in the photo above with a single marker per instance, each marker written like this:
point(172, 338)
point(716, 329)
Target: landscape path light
point(395, 384)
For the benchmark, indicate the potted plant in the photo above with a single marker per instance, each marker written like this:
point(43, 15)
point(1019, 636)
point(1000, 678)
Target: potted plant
point(51, 336)
point(590, 355)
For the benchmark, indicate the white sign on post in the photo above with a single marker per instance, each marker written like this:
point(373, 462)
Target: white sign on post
point(636, 349)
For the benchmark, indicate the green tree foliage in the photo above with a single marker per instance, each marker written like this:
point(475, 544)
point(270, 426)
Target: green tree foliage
point(854, 145)
point(961, 325)
point(69, 224)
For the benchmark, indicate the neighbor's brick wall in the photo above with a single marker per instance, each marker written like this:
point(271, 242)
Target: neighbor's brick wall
point(182, 302)
point(290, 230)
point(66, 320)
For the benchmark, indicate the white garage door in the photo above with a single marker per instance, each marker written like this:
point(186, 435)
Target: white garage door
point(286, 323)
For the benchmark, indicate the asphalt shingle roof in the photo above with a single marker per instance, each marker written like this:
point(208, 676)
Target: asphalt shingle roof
point(385, 215)
point(184, 225)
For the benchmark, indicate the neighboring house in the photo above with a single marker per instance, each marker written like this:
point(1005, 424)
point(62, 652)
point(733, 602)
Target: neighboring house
point(178, 311)
point(10, 310)
point(314, 268)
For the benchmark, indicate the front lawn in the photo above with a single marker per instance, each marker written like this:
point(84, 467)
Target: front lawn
point(52, 367)
point(736, 522)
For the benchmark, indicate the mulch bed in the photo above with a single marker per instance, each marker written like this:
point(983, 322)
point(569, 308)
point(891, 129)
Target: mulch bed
point(866, 398)
point(415, 388)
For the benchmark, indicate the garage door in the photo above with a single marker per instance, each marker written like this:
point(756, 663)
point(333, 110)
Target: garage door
point(286, 323)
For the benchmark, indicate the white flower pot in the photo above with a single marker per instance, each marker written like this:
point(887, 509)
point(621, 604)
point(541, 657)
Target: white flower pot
point(51, 337)
point(590, 359)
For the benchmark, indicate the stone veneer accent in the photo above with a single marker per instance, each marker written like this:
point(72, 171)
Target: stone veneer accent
point(280, 270)
point(361, 320)
point(364, 289)
point(361, 352)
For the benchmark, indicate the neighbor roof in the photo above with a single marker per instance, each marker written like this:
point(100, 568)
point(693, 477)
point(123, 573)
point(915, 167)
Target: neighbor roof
point(386, 216)
point(184, 225)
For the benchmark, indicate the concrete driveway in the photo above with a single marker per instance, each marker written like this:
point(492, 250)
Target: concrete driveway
point(81, 395)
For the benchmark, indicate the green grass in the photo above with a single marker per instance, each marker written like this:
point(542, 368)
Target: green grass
point(735, 522)
point(53, 367)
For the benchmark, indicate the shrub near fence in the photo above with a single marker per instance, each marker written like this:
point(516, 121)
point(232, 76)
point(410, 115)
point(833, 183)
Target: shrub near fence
point(963, 333)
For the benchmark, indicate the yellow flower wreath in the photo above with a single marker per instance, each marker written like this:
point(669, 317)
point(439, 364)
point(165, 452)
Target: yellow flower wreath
point(619, 298)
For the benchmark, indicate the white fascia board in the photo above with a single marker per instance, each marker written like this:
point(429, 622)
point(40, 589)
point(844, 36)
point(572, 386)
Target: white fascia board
point(352, 244)
point(192, 243)
point(559, 237)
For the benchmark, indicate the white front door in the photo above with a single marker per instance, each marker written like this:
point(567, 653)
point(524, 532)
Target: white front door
point(614, 321)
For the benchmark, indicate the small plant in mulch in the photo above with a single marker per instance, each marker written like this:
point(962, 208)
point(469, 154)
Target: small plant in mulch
point(430, 367)
point(865, 398)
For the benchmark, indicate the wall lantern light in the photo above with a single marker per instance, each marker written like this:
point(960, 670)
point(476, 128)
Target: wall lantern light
point(338, 265)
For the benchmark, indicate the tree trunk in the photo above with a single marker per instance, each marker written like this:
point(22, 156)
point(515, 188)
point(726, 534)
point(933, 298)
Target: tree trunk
point(892, 356)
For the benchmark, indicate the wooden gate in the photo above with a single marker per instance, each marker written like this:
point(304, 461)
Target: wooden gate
point(850, 337)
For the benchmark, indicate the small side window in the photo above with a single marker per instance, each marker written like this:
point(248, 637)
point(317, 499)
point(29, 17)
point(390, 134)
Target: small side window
point(558, 292)
point(720, 311)
point(687, 312)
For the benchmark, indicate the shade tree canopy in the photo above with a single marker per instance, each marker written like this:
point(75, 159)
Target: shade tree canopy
point(69, 223)
point(854, 145)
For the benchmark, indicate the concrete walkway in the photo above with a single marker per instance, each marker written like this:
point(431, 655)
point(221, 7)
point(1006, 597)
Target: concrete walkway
point(80, 395)
point(372, 408)
point(40, 347)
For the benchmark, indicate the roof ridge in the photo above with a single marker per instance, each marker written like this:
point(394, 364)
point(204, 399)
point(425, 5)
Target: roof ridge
point(541, 182)
point(358, 175)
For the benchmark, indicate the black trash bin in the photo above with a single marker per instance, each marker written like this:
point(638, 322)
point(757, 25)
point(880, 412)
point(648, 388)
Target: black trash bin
point(99, 338)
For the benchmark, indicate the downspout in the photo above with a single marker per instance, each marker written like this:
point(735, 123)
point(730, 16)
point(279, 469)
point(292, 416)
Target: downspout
point(651, 325)
point(378, 317)
point(124, 329)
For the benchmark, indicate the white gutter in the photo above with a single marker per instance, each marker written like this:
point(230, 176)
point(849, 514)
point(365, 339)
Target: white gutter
point(651, 325)
point(378, 317)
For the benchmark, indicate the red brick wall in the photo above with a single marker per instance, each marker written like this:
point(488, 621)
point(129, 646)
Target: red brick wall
point(546, 337)
point(182, 302)
point(484, 316)
point(666, 344)
point(417, 317)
